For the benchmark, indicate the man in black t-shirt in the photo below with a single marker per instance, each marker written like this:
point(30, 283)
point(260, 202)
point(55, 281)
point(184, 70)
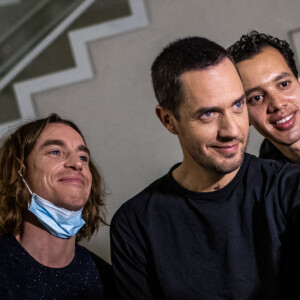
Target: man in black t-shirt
point(218, 225)
point(270, 78)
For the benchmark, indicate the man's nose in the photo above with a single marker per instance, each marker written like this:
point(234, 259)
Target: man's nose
point(228, 127)
point(73, 161)
point(276, 102)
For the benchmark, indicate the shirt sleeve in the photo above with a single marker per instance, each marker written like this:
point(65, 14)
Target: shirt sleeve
point(130, 260)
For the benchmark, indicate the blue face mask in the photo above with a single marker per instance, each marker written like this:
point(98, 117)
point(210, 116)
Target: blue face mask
point(58, 221)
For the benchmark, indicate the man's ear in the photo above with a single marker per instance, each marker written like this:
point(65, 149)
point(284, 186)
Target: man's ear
point(299, 79)
point(167, 118)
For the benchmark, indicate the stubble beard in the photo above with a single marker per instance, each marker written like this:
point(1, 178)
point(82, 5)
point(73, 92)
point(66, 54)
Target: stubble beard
point(226, 166)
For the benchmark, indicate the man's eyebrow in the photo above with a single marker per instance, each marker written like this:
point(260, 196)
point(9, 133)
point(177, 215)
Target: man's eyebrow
point(250, 91)
point(203, 110)
point(278, 77)
point(241, 98)
point(62, 143)
point(52, 142)
point(282, 75)
point(84, 149)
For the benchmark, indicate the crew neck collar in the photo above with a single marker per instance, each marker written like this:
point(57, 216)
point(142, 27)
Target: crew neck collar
point(213, 195)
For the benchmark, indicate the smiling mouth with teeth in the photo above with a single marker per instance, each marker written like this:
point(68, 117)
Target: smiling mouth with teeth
point(284, 120)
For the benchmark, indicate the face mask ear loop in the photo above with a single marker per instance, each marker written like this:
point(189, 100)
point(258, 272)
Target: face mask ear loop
point(25, 182)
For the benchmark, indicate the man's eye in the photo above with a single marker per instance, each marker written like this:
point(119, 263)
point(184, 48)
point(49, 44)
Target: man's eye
point(84, 158)
point(54, 152)
point(207, 114)
point(239, 104)
point(284, 83)
point(255, 99)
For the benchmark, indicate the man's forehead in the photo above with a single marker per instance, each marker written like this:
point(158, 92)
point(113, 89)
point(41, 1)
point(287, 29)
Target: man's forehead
point(59, 129)
point(268, 60)
point(264, 69)
point(213, 83)
point(59, 132)
point(225, 66)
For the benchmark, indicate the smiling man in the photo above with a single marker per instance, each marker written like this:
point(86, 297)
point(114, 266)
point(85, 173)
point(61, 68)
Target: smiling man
point(215, 226)
point(50, 197)
point(270, 79)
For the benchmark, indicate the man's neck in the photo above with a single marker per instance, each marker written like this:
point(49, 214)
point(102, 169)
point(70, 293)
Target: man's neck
point(198, 179)
point(292, 152)
point(44, 247)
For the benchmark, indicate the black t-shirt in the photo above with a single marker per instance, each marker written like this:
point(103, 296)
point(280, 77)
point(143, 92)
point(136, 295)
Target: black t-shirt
point(22, 277)
point(171, 243)
point(269, 151)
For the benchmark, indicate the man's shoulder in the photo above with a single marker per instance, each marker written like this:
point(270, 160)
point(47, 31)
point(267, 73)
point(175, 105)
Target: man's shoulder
point(99, 262)
point(154, 189)
point(105, 272)
point(273, 169)
point(7, 246)
point(4, 249)
point(270, 163)
point(140, 204)
point(12, 257)
point(269, 151)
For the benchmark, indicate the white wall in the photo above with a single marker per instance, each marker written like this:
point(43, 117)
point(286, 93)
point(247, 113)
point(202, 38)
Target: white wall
point(115, 110)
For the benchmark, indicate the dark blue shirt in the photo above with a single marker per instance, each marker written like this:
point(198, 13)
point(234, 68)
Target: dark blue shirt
point(22, 277)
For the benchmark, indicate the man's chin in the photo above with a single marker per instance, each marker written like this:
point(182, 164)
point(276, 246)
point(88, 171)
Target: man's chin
point(229, 164)
point(284, 138)
point(230, 169)
point(227, 169)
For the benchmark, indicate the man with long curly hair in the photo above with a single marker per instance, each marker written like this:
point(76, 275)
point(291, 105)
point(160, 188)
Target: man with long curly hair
point(51, 196)
point(270, 79)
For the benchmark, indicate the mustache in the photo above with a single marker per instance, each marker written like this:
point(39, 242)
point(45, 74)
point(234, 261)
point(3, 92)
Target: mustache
point(221, 142)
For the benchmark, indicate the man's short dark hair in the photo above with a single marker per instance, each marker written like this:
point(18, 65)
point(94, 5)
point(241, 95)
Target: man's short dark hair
point(254, 42)
point(180, 56)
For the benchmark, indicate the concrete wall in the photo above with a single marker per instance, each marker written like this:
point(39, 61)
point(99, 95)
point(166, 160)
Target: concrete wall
point(115, 110)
